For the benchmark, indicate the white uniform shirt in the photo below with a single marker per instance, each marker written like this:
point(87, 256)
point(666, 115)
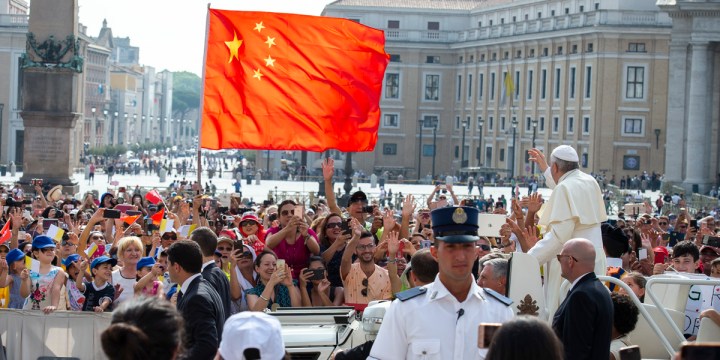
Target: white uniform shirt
point(428, 327)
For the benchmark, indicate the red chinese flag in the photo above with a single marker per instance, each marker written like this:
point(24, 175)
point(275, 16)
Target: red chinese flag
point(157, 218)
point(153, 197)
point(5, 233)
point(291, 82)
point(130, 219)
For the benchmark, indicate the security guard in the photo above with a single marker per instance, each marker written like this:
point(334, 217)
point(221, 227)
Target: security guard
point(440, 320)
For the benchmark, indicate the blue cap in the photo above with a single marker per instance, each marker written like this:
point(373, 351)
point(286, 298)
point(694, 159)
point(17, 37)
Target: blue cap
point(14, 255)
point(42, 241)
point(145, 262)
point(455, 224)
point(71, 259)
point(101, 260)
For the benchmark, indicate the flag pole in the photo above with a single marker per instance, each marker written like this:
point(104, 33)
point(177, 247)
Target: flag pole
point(202, 99)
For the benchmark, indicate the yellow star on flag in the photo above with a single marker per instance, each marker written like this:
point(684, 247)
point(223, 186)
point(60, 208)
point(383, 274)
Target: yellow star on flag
point(270, 61)
point(258, 75)
point(270, 41)
point(234, 45)
point(259, 26)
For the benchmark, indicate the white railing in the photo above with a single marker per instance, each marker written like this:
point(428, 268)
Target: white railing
point(653, 324)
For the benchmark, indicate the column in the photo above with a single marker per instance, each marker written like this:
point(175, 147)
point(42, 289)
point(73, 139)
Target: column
point(696, 160)
point(676, 115)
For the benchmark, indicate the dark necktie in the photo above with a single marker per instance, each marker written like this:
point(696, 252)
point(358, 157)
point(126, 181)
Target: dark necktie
point(180, 295)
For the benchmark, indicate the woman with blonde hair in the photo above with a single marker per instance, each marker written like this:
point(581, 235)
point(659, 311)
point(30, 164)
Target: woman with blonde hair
point(129, 252)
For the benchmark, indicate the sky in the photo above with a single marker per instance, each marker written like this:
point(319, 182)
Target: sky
point(171, 33)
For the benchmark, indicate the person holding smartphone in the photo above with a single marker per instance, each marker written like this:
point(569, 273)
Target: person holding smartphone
point(315, 288)
point(292, 240)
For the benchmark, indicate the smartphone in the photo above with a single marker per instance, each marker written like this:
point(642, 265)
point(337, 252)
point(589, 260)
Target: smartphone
point(21, 235)
point(111, 214)
point(711, 240)
point(267, 203)
point(48, 222)
point(121, 189)
point(280, 264)
point(123, 207)
point(642, 254)
point(441, 204)
point(150, 228)
point(318, 274)
point(693, 223)
point(133, 212)
point(486, 331)
point(427, 226)
point(299, 211)
point(666, 237)
point(425, 244)
point(272, 217)
point(630, 353)
point(701, 351)
point(345, 227)
point(368, 209)
point(675, 237)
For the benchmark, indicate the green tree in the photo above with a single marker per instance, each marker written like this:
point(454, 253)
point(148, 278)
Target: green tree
point(186, 93)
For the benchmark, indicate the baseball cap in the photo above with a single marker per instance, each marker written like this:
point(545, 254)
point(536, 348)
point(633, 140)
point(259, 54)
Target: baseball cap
point(14, 255)
point(715, 250)
point(144, 262)
point(250, 216)
point(455, 224)
point(71, 259)
point(42, 241)
point(661, 253)
point(101, 260)
point(358, 196)
point(250, 329)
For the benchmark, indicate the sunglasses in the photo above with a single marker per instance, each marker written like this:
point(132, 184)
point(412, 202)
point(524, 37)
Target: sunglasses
point(246, 254)
point(364, 292)
point(484, 247)
point(224, 248)
point(169, 237)
point(662, 223)
point(287, 212)
point(247, 223)
point(425, 215)
point(333, 225)
point(4, 251)
point(66, 243)
point(559, 257)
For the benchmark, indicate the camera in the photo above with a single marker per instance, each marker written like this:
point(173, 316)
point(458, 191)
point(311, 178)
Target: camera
point(228, 218)
point(368, 209)
point(36, 182)
point(272, 217)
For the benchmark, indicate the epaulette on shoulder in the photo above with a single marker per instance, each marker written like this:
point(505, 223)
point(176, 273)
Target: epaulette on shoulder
point(410, 293)
point(499, 297)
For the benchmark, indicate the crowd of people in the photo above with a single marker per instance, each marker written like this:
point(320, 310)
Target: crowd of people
point(207, 269)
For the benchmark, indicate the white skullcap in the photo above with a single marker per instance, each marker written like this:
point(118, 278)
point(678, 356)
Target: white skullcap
point(252, 329)
point(567, 153)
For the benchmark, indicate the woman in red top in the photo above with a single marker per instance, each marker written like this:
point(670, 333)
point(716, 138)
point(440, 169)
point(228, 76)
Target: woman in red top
point(292, 241)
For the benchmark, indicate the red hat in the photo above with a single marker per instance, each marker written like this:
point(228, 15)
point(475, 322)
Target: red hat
point(661, 253)
point(711, 248)
point(228, 233)
point(250, 216)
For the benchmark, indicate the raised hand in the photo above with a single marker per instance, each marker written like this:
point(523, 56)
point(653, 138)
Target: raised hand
point(328, 169)
point(408, 206)
point(393, 244)
point(534, 203)
point(388, 220)
point(538, 157)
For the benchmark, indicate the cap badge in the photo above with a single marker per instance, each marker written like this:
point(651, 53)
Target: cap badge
point(459, 216)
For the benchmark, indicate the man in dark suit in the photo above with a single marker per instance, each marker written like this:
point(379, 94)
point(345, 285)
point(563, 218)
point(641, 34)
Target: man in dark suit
point(208, 242)
point(197, 301)
point(583, 322)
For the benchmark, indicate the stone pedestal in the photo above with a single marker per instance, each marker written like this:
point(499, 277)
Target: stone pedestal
point(51, 97)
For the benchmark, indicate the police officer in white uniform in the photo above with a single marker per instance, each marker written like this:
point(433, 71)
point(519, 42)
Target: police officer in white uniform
point(440, 320)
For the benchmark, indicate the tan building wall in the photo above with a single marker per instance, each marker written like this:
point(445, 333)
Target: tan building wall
point(598, 40)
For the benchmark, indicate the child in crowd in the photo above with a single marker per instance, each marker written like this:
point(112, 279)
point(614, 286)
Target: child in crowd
point(147, 276)
point(75, 269)
point(169, 288)
point(48, 285)
point(99, 293)
point(715, 268)
point(16, 278)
